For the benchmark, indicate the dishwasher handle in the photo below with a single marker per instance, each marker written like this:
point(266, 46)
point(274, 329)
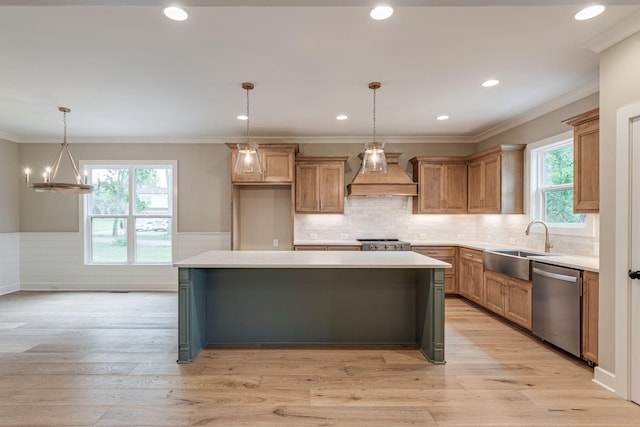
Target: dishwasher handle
point(557, 276)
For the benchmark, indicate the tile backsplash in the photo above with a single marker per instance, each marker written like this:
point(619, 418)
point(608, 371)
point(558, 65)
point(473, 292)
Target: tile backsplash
point(391, 217)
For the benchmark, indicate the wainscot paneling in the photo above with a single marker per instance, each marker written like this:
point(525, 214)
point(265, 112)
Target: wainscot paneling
point(55, 261)
point(9, 263)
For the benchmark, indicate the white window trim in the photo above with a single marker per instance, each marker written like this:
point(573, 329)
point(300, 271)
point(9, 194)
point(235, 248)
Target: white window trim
point(531, 175)
point(84, 206)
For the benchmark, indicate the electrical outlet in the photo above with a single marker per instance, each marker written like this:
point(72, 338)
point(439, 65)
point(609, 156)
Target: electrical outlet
point(313, 236)
point(344, 236)
point(275, 243)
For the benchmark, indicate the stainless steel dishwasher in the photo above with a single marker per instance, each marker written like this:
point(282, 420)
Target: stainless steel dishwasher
point(556, 305)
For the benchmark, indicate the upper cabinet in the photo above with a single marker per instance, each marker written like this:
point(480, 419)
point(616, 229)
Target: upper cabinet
point(586, 161)
point(442, 185)
point(320, 184)
point(277, 161)
point(495, 180)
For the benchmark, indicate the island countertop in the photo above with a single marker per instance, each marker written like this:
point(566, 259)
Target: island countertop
point(310, 259)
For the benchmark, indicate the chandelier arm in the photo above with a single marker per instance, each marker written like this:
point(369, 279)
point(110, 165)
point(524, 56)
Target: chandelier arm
point(73, 163)
point(56, 164)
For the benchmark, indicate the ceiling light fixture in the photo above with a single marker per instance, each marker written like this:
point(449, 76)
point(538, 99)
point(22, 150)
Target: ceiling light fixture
point(589, 12)
point(342, 117)
point(49, 184)
point(175, 13)
point(242, 117)
point(380, 13)
point(442, 117)
point(374, 159)
point(490, 83)
point(247, 160)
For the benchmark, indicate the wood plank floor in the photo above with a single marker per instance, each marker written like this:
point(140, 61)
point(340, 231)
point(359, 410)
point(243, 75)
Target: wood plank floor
point(108, 359)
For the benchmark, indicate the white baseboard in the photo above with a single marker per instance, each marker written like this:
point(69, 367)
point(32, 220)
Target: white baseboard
point(100, 287)
point(604, 379)
point(8, 289)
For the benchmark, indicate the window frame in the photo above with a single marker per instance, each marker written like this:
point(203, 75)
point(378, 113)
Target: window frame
point(85, 214)
point(534, 172)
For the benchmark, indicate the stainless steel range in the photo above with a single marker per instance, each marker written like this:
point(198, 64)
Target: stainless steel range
point(384, 245)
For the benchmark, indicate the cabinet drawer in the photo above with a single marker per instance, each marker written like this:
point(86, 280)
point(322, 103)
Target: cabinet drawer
point(434, 251)
point(310, 248)
point(471, 254)
point(344, 248)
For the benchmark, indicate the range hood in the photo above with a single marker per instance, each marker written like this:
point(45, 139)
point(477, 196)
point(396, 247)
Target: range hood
point(395, 182)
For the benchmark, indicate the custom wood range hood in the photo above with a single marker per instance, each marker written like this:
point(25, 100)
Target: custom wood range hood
point(396, 182)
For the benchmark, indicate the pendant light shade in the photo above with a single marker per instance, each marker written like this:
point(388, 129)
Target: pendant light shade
point(49, 184)
point(374, 160)
point(248, 160)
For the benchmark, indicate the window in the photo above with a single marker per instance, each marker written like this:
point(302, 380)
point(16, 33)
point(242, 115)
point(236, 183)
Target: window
point(552, 186)
point(129, 218)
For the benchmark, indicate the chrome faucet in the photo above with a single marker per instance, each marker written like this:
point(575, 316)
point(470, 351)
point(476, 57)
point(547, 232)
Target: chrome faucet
point(547, 243)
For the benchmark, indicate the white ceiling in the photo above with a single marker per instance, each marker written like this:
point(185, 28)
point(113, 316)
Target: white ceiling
point(129, 74)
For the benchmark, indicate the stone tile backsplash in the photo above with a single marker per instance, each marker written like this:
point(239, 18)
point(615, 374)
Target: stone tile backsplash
point(391, 217)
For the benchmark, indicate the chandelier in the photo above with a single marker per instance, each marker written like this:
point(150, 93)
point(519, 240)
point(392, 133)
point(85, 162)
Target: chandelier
point(49, 184)
point(247, 161)
point(374, 159)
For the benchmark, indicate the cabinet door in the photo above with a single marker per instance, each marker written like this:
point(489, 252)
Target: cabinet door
point(477, 282)
point(586, 168)
point(476, 187)
point(590, 289)
point(277, 165)
point(464, 278)
point(492, 188)
point(430, 188)
point(446, 254)
point(494, 293)
point(455, 188)
point(331, 187)
point(307, 187)
point(517, 302)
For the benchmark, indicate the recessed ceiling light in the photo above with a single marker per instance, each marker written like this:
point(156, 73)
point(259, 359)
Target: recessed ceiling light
point(589, 12)
point(175, 13)
point(442, 117)
point(381, 12)
point(490, 83)
point(342, 117)
point(242, 117)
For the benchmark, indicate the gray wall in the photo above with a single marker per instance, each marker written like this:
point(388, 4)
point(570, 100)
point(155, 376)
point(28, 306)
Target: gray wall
point(544, 126)
point(9, 187)
point(619, 86)
point(203, 183)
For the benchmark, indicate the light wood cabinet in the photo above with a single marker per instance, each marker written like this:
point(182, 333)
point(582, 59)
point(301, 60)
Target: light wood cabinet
point(447, 254)
point(586, 161)
point(442, 185)
point(327, 248)
point(590, 298)
point(320, 184)
point(508, 297)
point(495, 180)
point(277, 161)
point(471, 275)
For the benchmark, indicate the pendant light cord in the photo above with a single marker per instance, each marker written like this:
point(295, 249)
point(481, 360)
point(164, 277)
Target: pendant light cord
point(374, 115)
point(248, 117)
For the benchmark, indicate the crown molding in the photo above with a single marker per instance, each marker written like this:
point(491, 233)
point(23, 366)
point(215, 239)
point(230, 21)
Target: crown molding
point(554, 104)
point(625, 28)
point(9, 137)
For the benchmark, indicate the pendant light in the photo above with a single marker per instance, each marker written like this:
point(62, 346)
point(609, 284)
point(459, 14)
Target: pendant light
point(49, 184)
point(374, 159)
point(247, 161)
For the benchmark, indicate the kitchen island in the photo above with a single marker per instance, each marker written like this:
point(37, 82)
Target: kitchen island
point(311, 297)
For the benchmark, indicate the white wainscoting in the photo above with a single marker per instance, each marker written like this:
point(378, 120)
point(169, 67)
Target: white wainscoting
point(9, 263)
point(55, 261)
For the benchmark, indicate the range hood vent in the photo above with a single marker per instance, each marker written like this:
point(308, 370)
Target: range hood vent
point(395, 182)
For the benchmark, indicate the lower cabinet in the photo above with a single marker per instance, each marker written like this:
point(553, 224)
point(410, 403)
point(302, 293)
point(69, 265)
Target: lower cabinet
point(508, 297)
point(471, 275)
point(590, 289)
point(446, 254)
point(327, 248)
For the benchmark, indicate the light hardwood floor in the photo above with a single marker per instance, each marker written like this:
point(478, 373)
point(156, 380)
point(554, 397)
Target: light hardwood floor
point(109, 359)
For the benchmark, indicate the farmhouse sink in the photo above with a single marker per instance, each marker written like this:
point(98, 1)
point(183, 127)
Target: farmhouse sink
point(512, 262)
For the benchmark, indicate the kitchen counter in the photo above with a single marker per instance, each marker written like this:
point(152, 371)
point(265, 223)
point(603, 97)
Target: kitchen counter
point(565, 260)
point(311, 297)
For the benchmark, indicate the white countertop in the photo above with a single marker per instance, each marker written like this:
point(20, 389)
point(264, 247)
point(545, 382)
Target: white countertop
point(310, 259)
point(565, 260)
